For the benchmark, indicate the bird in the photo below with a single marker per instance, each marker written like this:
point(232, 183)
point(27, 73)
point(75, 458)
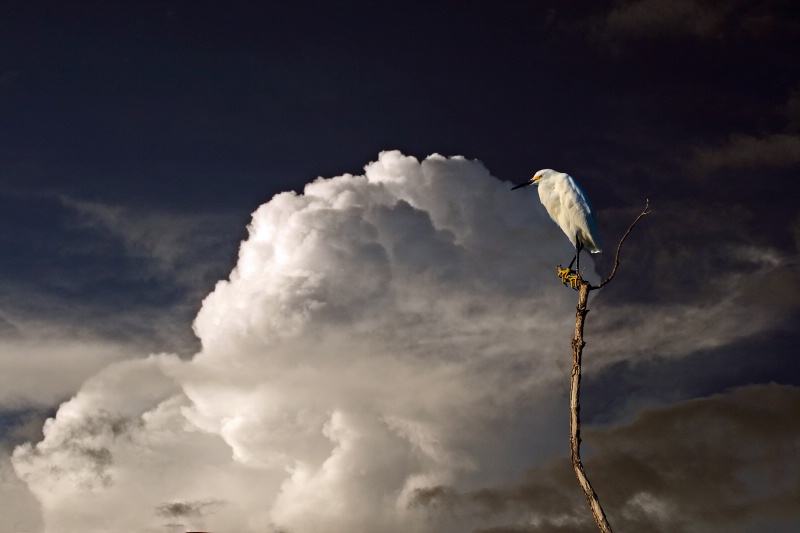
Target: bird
point(569, 207)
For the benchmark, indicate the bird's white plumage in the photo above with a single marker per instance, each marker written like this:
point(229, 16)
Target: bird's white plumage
point(568, 206)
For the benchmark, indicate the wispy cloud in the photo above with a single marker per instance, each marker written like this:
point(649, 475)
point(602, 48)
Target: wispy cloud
point(126, 276)
point(180, 247)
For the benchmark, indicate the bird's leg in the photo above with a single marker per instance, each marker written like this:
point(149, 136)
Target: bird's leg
point(567, 275)
point(578, 248)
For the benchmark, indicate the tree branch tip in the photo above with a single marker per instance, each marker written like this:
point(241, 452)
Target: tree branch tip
point(646, 211)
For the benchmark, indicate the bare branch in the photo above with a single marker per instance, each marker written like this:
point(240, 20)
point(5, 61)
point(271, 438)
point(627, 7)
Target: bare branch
point(646, 211)
point(578, 343)
point(575, 408)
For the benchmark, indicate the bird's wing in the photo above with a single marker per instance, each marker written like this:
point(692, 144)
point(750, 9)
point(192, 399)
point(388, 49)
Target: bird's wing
point(583, 215)
point(582, 198)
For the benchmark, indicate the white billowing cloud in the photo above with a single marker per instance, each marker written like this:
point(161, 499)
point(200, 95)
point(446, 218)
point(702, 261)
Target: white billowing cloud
point(372, 330)
point(375, 320)
point(120, 455)
point(380, 335)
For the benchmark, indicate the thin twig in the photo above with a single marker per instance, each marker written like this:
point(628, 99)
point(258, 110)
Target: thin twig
point(646, 211)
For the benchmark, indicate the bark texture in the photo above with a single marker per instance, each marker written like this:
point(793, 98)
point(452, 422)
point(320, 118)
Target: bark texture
point(584, 287)
point(575, 409)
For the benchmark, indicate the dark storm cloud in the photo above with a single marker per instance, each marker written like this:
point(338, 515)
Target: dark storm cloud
point(710, 464)
point(721, 83)
point(178, 509)
point(703, 251)
point(617, 392)
point(774, 150)
point(653, 17)
point(766, 151)
point(704, 19)
point(187, 509)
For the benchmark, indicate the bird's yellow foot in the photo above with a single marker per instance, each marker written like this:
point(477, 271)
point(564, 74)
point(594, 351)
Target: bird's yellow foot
point(563, 273)
point(574, 280)
point(568, 277)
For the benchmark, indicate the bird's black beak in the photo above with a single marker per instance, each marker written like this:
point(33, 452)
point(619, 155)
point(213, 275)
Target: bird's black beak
point(523, 184)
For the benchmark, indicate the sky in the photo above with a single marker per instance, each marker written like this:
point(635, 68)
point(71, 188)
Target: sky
point(261, 269)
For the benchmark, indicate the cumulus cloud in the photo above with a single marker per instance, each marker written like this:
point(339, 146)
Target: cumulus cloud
point(120, 453)
point(381, 336)
point(371, 331)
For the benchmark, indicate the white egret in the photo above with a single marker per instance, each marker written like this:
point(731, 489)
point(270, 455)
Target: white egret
point(568, 206)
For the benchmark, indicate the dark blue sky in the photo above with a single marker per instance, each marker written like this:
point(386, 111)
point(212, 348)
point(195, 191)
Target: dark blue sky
point(155, 102)
point(210, 108)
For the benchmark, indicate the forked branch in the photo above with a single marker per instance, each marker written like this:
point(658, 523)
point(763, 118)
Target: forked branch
point(575, 384)
point(646, 211)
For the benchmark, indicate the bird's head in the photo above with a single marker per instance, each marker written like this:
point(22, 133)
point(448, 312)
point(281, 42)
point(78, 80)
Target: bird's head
point(535, 180)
